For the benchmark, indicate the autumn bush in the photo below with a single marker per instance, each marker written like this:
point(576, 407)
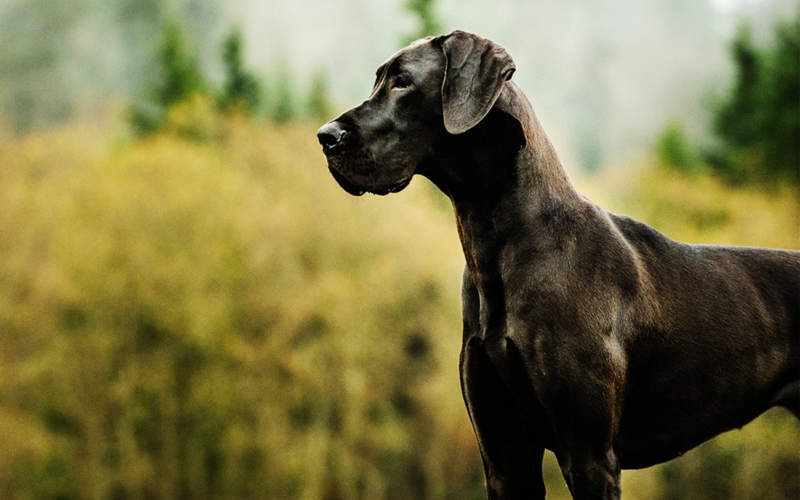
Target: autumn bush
point(204, 313)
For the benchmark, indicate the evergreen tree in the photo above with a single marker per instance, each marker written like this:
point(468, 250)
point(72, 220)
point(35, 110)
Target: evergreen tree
point(759, 124)
point(735, 119)
point(242, 88)
point(179, 80)
point(781, 101)
point(181, 77)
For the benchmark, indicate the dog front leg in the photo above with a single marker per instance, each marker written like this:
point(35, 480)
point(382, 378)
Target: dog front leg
point(592, 476)
point(512, 459)
point(585, 412)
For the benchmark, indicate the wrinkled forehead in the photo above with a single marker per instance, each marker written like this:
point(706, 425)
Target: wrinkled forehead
point(422, 59)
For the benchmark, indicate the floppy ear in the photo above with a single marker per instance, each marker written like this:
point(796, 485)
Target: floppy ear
point(475, 71)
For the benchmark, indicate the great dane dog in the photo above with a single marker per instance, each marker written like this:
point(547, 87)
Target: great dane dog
point(586, 333)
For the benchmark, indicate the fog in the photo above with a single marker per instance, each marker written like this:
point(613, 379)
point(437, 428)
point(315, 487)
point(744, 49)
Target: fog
point(604, 76)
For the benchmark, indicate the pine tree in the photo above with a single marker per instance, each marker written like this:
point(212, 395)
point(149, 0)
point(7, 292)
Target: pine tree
point(181, 77)
point(242, 89)
point(759, 123)
point(781, 104)
point(735, 119)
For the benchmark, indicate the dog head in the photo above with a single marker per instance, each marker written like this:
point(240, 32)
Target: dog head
point(436, 87)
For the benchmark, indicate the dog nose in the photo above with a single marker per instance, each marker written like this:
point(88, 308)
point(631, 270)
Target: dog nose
point(330, 134)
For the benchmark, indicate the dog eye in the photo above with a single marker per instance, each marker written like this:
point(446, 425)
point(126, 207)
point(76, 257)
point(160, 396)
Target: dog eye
point(401, 83)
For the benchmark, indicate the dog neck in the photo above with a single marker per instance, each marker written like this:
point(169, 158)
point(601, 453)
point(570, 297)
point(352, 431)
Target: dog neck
point(501, 176)
point(538, 164)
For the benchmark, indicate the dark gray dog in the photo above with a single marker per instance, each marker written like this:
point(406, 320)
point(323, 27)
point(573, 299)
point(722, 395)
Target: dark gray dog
point(585, 333)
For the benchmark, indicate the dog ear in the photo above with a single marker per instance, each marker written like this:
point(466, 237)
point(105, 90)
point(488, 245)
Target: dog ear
point(475, 71)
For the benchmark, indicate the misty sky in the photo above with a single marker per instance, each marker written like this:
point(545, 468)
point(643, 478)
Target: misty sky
point(605, 76)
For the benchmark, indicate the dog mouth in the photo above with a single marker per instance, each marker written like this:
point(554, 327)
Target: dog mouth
point(355, 190)
point(394, 188)
point(348, 186)
point(338, 164)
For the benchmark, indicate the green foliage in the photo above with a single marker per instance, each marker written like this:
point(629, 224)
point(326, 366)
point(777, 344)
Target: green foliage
point(735, 119)
point(181, 85)
point(425, 17)
point(674, 151)
point(241, 89)
point(760, 122)
point(180, 79)
point(319, 107)
point(782, 102)
point(180, 71)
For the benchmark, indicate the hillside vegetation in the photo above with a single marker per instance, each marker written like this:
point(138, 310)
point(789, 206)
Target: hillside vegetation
point(204, 313)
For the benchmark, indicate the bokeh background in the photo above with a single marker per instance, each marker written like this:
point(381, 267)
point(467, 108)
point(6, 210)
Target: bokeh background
point(190, 307)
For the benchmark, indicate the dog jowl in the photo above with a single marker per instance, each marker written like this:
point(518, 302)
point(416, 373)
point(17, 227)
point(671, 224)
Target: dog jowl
point(584, 332)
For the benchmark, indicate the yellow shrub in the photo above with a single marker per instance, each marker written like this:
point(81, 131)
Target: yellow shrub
point(218, 319)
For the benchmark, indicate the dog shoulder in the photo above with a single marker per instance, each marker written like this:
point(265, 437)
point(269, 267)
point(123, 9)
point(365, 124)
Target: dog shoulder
point(641, 236)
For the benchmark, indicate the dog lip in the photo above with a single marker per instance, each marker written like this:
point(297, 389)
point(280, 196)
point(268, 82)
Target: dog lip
point(357, 190)
point(345, 184)
point(394, 188)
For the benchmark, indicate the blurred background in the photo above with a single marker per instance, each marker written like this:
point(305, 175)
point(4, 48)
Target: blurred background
point(191, 308)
